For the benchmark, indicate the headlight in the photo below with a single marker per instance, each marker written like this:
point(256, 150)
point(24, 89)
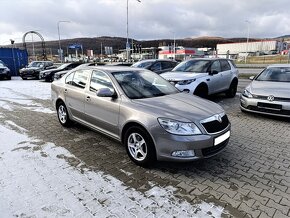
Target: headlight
point(179, 128)
point(247, 94)
point(185, 82)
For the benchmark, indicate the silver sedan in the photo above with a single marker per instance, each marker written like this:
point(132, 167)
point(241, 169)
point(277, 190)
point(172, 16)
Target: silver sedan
point(143, 111)
point(269, 92)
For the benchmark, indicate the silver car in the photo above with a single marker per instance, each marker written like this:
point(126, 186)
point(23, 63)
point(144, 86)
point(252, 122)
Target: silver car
point(205, 76)
point(143, 111)
point(269, 92)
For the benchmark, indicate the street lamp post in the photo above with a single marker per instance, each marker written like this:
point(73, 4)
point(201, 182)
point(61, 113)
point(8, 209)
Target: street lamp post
point(127, 42)
point(59, 45)
point(248, 36)
point(12, 43)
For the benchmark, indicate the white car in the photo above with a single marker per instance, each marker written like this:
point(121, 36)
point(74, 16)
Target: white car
point(205, 76)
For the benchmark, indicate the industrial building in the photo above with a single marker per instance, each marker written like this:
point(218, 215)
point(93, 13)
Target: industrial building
point(261, 47)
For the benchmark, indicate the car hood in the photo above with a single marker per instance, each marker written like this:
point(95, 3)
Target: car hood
point(181, 106)
point(179, 75)
point(51, 71)
point(62, 72)
point(30, 68)
point(3, 68)
point(265, 88)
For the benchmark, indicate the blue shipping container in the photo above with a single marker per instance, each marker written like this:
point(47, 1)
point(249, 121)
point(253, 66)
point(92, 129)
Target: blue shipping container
point(14, 58)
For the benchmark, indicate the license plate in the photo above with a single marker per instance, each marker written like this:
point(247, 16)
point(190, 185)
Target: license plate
point(222, 138)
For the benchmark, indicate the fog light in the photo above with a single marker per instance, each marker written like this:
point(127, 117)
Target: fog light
point(243, 102)
point(188, 153)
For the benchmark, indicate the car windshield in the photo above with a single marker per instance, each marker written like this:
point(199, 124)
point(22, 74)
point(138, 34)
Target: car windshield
point(35, 64)
point(196, 66)
point(143, 64)
point(2, 65)
point(275, 74)
point(143, 84)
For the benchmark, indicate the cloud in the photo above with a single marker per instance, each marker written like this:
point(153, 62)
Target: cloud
point(154, 19)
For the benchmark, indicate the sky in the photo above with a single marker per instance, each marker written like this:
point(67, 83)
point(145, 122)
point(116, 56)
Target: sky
point(148, 19)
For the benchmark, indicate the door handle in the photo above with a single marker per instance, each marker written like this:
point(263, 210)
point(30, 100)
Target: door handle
point(65, 90)
point(207, 79)
point(88, 98)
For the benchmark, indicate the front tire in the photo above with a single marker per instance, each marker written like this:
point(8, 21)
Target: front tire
point(140, 146)
point(201, 91)
point(62, 115)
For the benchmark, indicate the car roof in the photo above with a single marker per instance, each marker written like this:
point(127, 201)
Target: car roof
point(151, 60)
point(112, 69)
point(278, 65)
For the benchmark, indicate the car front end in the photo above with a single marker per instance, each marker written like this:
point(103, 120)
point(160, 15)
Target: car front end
point(268, 103)
point(47, 75)
point(26, 73)
point(5, 73)
point(184, 81)
point(183, 127)
point(210, 137)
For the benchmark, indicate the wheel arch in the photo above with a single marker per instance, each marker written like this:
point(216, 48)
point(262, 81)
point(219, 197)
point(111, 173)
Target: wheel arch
point(202, 84)
point(131, 124)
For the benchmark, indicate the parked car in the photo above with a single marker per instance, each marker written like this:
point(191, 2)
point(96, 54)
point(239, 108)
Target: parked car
point(269, 92)
point(205, 76)
point(34, 68)
point(156, 65)
point(146, 113)
point(60, 74)
point(48, 75)
point(4, 71)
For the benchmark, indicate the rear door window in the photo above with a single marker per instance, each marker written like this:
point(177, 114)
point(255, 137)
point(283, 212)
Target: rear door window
point(216, 66)
point(225, 65)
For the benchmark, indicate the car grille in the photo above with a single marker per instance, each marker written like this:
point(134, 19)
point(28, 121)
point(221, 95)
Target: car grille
point(262, 97)
point(216, 126)
point(214, 149)
point(28, 72)
point(269, 110)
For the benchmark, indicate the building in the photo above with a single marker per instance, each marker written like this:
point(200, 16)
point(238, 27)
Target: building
point(261, 47)
point(180, 53)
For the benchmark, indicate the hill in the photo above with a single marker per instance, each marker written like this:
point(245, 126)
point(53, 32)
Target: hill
point(119, 43)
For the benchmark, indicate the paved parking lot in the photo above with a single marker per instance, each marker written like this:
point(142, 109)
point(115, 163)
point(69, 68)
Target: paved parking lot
point(51, 171)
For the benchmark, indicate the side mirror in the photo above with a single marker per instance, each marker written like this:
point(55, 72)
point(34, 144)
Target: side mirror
point(105, 92)
point(213, 72)
point(251, 77)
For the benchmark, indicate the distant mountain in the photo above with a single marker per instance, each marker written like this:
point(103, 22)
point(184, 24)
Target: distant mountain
point(119, 43)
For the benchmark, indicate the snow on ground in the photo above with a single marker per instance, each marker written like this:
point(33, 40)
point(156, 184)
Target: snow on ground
point(21, 92)
point(33, 88)
point(37, 181)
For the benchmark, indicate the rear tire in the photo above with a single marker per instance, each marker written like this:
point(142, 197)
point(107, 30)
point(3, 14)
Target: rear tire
point(232, 91)
point(62, 115)
point(140, 146)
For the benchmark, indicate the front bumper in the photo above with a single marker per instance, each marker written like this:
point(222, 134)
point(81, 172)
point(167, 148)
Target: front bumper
point(203, 146)
point(4, 75)
point(29, 74)
point(44, 76)
point(261, 106)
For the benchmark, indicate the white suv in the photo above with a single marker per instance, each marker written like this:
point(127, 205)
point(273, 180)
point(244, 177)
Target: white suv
point(205, 76)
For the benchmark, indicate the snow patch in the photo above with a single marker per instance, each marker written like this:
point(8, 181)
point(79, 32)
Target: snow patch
point(46, 185)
